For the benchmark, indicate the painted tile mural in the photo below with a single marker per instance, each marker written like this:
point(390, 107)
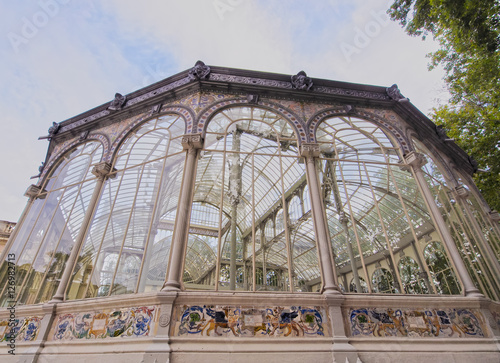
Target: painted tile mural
point(24, 329)
point(126, 322)
point(445, 323)
point(231, 321)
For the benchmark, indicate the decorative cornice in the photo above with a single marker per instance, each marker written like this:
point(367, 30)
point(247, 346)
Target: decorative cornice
point(123, 102)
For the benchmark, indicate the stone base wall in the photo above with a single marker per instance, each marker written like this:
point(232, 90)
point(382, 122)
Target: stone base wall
point(245, 327)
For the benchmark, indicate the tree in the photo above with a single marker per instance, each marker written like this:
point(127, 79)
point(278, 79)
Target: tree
point(469, 35)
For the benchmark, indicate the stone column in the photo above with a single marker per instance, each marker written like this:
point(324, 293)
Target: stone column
point(416, 161)
point(310, 151)
point(192, 144)
point(102, 171)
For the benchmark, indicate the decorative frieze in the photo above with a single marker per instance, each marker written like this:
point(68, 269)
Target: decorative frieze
point(235, 321)
point(416, 323)
point(125, 322)
point(20, 330)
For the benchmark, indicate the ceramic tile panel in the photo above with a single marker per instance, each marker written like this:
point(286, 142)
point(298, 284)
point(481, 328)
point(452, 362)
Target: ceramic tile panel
point(127, 322)
point(23, 330)
point(235, 321)
point(417, 323)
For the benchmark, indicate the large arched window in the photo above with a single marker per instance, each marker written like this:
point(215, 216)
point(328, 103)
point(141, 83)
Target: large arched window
point(127, 246)
point(442, 274)
point(248, 173)
point(373, 204)
point(476, 237)
point(48, 233)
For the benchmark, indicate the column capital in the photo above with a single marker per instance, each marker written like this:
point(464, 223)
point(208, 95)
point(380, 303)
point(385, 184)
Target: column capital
point(35, 191)
point(102, 170)
point(417, 160)
point(494, 216)
point(461, 192)
point(192, 141)
point(309, 149)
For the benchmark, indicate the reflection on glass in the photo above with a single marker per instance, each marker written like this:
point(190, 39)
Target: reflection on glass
point(48, 234)
point(127, 246)
point(249, 185)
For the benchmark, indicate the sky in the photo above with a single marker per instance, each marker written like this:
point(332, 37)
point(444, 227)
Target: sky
point(59, 58)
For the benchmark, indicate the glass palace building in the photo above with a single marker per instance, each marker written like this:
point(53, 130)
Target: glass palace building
point(234, 215)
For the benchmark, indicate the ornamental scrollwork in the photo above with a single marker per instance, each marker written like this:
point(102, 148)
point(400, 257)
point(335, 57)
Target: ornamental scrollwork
point(118, 102)
point(199, 71)
point(301, 81)
point(394, 93)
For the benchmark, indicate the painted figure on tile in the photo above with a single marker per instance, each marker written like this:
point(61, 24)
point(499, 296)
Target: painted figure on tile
point(282, 322)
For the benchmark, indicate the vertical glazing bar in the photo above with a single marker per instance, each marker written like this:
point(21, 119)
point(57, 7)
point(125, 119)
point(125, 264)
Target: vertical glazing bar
point(262, 234)
point(353, 221)
point(101, 171)
point(392, 265)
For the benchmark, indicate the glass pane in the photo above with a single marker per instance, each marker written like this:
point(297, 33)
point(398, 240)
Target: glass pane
point(126, 249)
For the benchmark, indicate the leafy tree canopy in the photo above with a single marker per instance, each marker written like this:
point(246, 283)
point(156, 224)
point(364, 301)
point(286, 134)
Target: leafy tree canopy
point(468, 32)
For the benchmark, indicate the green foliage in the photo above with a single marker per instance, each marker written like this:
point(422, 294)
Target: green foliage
point(469, 34)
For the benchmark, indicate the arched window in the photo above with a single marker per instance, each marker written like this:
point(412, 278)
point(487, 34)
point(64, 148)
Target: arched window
point(295, 209)
point(48, 234)
point(134, 219)
point(472, 233)
point(383, 281)
point(248, 169)
point(373, 203)
point(441, 272)
point(411, 276)
point(353, 286)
